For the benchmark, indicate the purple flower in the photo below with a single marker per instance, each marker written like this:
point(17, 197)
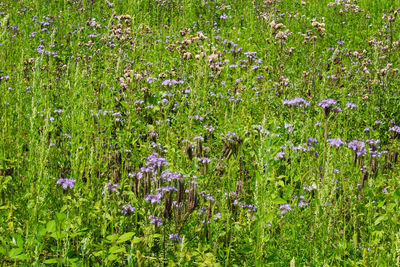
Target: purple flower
point(280, 155)
point(358, 147)
point(327, 103)
point(111, 187)
point(302, 204)
point(285, 208)
point(289, 127)
point(175, 237)
point(351, 105)
point(156, 161)
point(155, 220)
point(310, 188)
point(127, 209)
point(204, 160)
point(154, 199)
point(66, 183)
point(340, 42)
point(296, 102)
point(395, 129)
point(337, 142)
point(168, 188)
point(312, 141)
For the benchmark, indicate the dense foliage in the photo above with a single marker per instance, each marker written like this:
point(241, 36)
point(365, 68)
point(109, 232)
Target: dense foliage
point(199, 132)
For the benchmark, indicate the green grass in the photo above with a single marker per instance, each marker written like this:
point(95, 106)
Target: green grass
point(89, 92)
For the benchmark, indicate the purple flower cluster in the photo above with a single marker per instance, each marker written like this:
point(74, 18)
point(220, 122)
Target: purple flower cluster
point(171, 176)
point(351, 105)
point(127, 209)
point(111, 187)
point(155, 220)
point(171, 82)
point(66, 183)
point(285, 208)
point(358, 147)
point(154, 160)
point(395, 129)
point(154, 199)
point(280, 155)
point(327, 103)
point(175, 237)
point(204, 160)
point(296, 102)
point(337, 142)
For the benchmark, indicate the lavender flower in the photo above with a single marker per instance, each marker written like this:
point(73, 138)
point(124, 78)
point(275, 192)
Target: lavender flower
point(351, 105)
point(175, 237)
point(296, 102)
point(280, 155)
point(312, 141)
point(155, 220)
point(358, 147)
point(395, 129)
point(154, 160)
point(154, 199)
point(128, 209)
point(285, 208)
point(66, 183)
point(204, 160)
point(327, 103)
point(337, 142)
point(111, 187)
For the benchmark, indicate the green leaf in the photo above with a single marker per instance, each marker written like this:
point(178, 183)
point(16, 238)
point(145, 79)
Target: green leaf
point(116, 249)
point(125, 237)
point(58, 235)
point(51, 261)
point(279, 200)
point(380, 218)
point(137, 240)
point(51, 226)
point(15, 252)
point(112, 257)
point(112, 238)
point(61, 216)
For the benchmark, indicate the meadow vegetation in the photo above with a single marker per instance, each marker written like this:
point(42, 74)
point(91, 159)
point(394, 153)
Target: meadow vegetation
point(199, 133)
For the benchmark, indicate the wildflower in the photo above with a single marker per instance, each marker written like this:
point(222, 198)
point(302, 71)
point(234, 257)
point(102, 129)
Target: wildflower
point(154, 199)
point(296, 102)
point(155, 220)
point(327, 103)
point(312, 141)
point(154, 160)
point(395, 129)
point(358, 147)
point(204, 160)
point(285, 208)
point(289, 127)
point(337, 142)
point(127, 209)
point(175, 237)
point(351, 105)
point(66, 183)
point(111, 187)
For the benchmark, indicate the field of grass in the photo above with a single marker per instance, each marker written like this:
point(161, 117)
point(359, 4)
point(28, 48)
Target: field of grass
point(199, 133)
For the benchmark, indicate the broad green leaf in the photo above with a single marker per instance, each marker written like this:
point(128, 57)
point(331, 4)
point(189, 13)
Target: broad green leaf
point(51, 261)
point(15, 252)
point(51, 226)
point(61, 216)
point(117, 249)
point(125, 237)
point(279, 200)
